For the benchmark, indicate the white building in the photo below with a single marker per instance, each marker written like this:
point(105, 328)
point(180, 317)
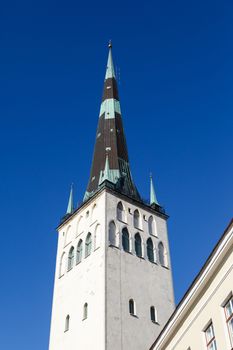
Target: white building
point(204, 317)
point(113, 282)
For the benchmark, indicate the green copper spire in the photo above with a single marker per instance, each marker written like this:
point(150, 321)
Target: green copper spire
point(110, 73)
point(70, 207)
point(153, 199)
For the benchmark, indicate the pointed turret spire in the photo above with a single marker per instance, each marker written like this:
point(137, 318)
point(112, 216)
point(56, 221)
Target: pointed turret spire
point(110, 139)
point(106, 174)
point(70, 207)
point(153, 199)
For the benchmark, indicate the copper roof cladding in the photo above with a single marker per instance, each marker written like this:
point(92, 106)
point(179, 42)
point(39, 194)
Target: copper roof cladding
point(110, 140)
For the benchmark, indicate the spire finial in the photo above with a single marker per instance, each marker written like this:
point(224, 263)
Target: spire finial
point(70, 207)
point(153, 199)
point(110, 44)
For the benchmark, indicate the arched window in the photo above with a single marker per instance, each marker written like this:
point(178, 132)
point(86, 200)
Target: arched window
point(62, 265)
point(94, 213)
point(112, 233)
point(79, 251)
point(136, 219)
point(150, 250)
point(85, 311)
point(68, 236)
point(161, 253)
point(153, 314)
point(97, 236)
point(151, 227)
point(138, 245)
point(80, 226)
point(67, 323)
point(132, 310)
point(125, 239)
point(70, 259)
point(120, 212)
point(88, 245)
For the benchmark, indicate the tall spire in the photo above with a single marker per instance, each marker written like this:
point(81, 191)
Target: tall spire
point(153, 199)
point(110, 139)
point(110, 73)
point(70, 207)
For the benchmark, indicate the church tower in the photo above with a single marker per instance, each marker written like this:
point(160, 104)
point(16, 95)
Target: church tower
point(113, 283)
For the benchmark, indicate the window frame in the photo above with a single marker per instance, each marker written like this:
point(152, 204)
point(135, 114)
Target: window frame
point(212, 340)
point(138, 245)
point(229, 319)
point(126, 239)
point(71, 257)
point(67, 323)
point(88, 245)
point(132, 307)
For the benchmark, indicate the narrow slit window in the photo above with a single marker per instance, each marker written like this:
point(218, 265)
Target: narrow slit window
point(85, 311)
point(67, 323)
point(70, 259)
point(131, 307)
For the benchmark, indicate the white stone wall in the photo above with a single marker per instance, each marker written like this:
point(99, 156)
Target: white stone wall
point(128, 276)
point(107, 279)
point(84, 283)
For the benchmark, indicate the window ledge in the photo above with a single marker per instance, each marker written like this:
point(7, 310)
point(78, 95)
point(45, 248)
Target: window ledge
point(123, 221)
point(84, 319)
point(93, 222)
point(155, 322)
point(139, 229)
point(113, 246)
point(133, 315)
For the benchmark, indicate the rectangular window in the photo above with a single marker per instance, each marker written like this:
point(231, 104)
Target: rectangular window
point(229, 317)
point(210, 338)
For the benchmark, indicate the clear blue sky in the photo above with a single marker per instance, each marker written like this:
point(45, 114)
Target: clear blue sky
point(176, 85)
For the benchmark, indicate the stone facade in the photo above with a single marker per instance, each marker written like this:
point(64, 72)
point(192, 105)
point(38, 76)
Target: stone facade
point(109, 277)
point(203, 308)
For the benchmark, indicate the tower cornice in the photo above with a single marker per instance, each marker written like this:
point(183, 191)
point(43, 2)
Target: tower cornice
point(107, 187)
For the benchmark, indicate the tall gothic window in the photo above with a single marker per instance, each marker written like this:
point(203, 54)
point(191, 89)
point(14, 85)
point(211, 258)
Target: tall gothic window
point(88, 245)
point(97, 236)
point(125, 239)
point(112, 233)
point(85, 311)
point(67, 323)
point(132, 310)
point(161, 252)
point(138, 245)
point(151, 226)
point(62, 264)
point(70, 259)
point(120, 212)
point(136, 219)
point(150, 250)
point(79, 251)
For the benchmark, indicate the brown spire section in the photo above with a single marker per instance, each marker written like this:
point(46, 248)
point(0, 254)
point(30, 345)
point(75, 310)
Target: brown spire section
point(110, 159)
